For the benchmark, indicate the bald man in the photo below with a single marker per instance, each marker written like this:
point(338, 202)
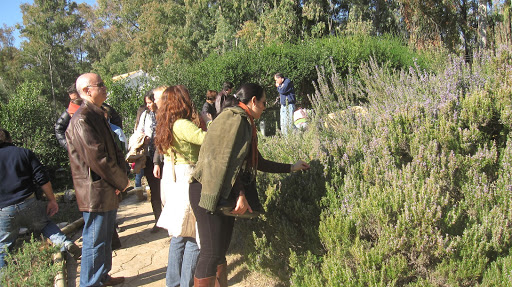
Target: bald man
point(99, 174)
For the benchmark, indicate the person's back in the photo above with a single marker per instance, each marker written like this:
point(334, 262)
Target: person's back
point(20, 170)
point(287, 99)
point(63, 121)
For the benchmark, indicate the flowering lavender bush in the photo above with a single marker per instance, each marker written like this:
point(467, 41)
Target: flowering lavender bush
point(416, 190)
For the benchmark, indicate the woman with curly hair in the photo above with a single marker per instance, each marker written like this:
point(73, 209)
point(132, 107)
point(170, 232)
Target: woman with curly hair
point(178, 138)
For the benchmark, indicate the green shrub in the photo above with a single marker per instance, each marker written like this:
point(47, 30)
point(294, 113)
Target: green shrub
point(412, 189)
point(31, 265)
point(127, 99)
point(30, 119)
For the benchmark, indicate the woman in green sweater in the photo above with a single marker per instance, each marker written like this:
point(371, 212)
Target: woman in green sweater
point(227, 165)
point(178, 138)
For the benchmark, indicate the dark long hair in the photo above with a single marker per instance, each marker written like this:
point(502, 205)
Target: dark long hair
point(244, 95)
point(149, 94)
point(176, 105)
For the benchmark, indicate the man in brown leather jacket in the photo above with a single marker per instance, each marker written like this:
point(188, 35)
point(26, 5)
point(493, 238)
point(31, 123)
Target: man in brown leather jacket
point(99, 174)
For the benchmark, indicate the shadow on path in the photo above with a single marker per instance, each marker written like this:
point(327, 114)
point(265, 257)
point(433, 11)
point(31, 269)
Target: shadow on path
point(146, 278)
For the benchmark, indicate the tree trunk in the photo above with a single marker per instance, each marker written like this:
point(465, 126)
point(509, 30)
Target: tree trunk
point(464, 30)
point(509, 24)
point(482, 24)
point(50, 67)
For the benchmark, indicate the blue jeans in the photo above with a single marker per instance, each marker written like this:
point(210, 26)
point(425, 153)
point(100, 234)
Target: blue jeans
point(30, 213)
point(181, 265)
point(286, 116)
point(138, 178)
point(97, 247)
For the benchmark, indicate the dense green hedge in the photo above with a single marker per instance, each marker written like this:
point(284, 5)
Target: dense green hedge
point(295, 61)
point(416, 191)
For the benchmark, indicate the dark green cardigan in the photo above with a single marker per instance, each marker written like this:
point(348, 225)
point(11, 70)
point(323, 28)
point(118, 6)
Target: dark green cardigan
point(224, 149)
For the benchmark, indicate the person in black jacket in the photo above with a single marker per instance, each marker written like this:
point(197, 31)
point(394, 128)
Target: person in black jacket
point(21, 175)
point(75, 101)
point(208, 113)
point(63, 121)
point(227, 88)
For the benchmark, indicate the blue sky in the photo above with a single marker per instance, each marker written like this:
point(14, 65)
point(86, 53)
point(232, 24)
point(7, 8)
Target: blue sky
point(10, 14)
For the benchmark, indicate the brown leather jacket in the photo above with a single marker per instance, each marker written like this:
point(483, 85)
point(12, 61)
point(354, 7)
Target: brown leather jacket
point(96, 162)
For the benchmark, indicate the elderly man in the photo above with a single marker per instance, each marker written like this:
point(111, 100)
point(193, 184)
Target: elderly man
point(21, 174)
point(74, 103)
point(99, 174)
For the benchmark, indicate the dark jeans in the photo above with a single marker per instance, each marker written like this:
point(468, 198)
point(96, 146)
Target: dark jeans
point(215, 232)
point(154, 185)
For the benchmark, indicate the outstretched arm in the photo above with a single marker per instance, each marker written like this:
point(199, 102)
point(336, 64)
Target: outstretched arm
point(299, 165)
point(277, 167)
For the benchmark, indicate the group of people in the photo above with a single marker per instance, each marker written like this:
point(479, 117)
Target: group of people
point(195, 163)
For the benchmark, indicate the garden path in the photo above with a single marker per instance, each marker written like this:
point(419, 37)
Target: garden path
point(142, 259)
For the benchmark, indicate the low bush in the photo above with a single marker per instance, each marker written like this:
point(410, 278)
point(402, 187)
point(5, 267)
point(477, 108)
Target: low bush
point(414, 190)
point(31, 265)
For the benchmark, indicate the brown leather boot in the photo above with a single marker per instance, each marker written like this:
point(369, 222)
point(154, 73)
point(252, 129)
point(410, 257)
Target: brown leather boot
point(204, 282)
point(222, 275)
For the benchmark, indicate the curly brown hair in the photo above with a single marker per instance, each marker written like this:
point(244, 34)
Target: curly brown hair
point(176, 105)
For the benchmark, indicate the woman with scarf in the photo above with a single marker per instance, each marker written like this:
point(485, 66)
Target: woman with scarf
point(227, 165)
point(147, 126)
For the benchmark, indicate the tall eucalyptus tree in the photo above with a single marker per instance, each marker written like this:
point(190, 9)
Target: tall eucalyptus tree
point(51, 28)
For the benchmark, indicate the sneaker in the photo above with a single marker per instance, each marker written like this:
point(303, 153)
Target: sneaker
point(74, 250)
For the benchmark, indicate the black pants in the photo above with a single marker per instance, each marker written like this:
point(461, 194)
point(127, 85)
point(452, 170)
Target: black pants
point(154, 185)
point(215, 232)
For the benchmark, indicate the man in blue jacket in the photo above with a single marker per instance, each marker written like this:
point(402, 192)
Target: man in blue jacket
point(287, 99)
point(21, 174)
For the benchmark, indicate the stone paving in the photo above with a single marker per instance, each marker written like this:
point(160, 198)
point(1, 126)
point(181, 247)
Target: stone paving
point(142, 259)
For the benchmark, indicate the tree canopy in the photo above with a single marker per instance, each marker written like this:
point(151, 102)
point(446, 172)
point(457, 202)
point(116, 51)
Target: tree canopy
point(64, 39)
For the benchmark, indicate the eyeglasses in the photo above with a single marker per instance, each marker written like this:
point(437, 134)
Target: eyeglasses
point(98, 85)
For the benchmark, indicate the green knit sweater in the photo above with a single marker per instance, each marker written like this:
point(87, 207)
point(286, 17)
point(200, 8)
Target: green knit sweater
point(187, 140)
point(225, 147)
